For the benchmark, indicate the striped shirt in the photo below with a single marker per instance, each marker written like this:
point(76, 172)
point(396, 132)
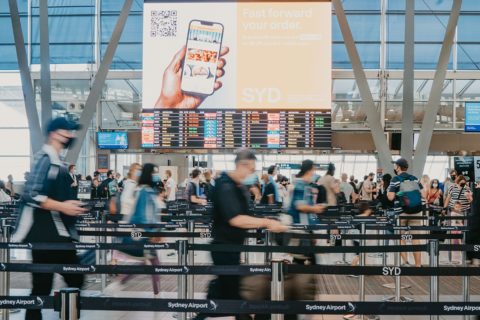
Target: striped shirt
point(459, 194)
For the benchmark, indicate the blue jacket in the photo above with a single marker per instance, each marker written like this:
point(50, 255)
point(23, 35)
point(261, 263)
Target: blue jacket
point(146, 207)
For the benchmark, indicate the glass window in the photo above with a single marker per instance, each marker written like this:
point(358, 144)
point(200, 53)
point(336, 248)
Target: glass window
point(364, 5)
point(16, 166)
point(468, 57)
point(17, 144)
point(430, 27)
point(369, 55)
point(467, 28)
point(363, 27)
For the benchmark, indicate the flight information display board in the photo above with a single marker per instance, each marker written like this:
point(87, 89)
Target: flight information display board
point(216, 129)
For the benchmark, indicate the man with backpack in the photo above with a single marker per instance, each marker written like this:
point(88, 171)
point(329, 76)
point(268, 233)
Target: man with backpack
point(405, 191)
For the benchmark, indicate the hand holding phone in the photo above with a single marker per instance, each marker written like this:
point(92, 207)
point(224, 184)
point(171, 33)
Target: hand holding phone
point(193, 73)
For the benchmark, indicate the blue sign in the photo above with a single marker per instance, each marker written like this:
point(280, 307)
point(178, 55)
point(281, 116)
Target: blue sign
point(112, 140)
point(472, 117)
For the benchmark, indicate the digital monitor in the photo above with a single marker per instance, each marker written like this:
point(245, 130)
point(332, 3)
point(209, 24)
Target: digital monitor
point(472, 117)
point(112, 140)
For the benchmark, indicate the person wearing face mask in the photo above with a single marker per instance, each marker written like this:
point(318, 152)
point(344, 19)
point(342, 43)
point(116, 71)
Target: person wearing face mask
point(435, 194)
point(459, 192)
point(48, 211)
point(368, 189)
point(449, 183)
point(405, 186)
point(328, 182)
point(231, 220)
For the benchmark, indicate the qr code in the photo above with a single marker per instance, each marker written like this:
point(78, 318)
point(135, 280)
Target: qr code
point(163, 23)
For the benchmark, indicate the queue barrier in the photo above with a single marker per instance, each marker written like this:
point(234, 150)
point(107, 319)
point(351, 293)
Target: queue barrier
point(248, 307)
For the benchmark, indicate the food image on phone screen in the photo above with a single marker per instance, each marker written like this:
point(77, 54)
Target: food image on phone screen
point(204, 41)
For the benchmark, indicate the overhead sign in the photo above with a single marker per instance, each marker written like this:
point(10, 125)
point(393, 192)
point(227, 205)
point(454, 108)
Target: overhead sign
point(467, 167)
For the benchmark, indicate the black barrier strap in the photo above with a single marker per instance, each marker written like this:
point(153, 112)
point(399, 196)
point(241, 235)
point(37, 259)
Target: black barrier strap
point(303, 250)
point(87, 246)
point(242, 270)
point(230, 307)
point(21, 302)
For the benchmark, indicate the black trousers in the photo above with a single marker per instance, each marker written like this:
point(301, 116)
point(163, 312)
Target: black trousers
point(42, 282)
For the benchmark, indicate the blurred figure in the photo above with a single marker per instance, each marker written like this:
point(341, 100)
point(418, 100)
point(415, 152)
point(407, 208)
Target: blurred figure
point(270, 192)
point(382, 194)
point(283, 191)
point(10, 188)
point(231, 219)
point(368, 189)
point(72, 180)
point(49, 212)
point(425, 182)
point(347, 188)
point(193, 189)
point(328, 182)
point(170, 187)
point(4, 197)
point(339, 195)
point(208, 185)
point(104, 190)
point(128, 196)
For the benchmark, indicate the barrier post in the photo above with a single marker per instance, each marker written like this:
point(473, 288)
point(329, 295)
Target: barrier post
point(182, 278)
point(278, 284)
point(70, 304)
point(433, 252)
point(191, 260)
point(5, 276)
point(103, 254)
point(466, 279)
point(361, 279)
point(384, 254)
point(269, 243)
point(398, 263)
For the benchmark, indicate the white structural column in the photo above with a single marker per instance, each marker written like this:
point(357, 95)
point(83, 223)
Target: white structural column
point(98, 83)
point(433, 104)
point(368, 105)
point(45, 83)
point(408, 81)
point(36, 136)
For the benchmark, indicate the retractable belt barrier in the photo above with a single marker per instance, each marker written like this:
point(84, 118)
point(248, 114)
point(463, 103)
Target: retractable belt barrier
point(242, 270)
point(234, 248)
point(248, 307)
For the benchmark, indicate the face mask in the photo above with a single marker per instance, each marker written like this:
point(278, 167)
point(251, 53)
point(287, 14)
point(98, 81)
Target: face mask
point(68, 143)
point(250, 180)
point(435, 185)
point(138, 173)
point(453, 178)
point(395, 171)
point(156, 178)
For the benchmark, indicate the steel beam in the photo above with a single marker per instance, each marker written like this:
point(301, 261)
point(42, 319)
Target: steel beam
point(36, 136)
point(408, 81)
point(433, 104)
point(373, 116)
point(45, 83)
point(97, 87)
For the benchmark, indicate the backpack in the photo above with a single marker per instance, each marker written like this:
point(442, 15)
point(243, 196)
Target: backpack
point(410, 195)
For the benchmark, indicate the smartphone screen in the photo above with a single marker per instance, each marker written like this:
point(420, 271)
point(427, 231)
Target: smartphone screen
point(204, 41)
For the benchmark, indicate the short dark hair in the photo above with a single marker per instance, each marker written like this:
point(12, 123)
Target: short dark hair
point(271, 169)
point(245, 154)
point(96, 173)
point(71, 166)
point(109, 173)
point(306, 166)
point(88, 178)
point(146, 176)
point(196, 173)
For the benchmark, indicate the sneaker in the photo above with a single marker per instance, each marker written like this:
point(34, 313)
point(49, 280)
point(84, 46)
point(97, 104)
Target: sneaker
point(349, 316)
point(114, 288)
point(406, 264)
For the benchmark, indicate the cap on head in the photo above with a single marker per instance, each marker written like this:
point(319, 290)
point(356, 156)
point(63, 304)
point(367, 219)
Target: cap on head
point(306, 166)
point(61, 123)
point(402, 163)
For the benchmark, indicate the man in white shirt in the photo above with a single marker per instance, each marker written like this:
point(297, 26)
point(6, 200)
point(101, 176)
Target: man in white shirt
point(346, 188)
point(171, 187)
point(367, 188)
